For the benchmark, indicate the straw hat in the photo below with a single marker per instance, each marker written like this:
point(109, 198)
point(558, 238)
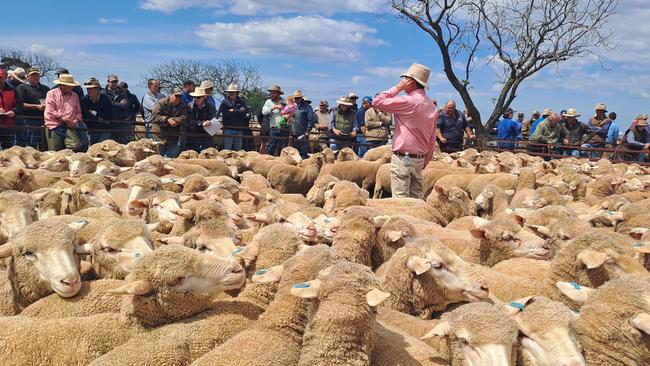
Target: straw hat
point(344, 101)
point(92, 83)
point(33, 70)
point(275, 88)
point(419, 73)
point(571, 112)
point(353, 96)
point(66, 79)
point(547, 112)
point(206, 84)
point(232, 88)
point(199, 92)
point(642, 120)
point(601, 107)
point(298, 94)
point(18, 74)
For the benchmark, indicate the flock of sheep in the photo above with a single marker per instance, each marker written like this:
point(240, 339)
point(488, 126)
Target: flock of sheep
point(118, 256)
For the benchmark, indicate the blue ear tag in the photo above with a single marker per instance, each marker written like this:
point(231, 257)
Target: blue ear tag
point(261, 272)
point(237, 250)
point(575, 285)
point(610, 213)
point(301, 285)
point(518, 305)
point(327, 220)
point(638, 245)
point(137, 254)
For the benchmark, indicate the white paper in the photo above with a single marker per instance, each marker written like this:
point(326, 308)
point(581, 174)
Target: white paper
point(215, 126)
point(94, 113)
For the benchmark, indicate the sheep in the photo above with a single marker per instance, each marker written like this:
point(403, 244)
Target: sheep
point(601, 188)
point(140, 186)
point(41, 260)
point(188, 154)
point(82, 163)
point(171, 284)
point(346, 154)
point(505, 181)
point(614, 321)
point(278, 335)
point(19, 179)
point(157, 165)
point(17, 210)
point(545, 196)
point(296, 179)
point(10, 159)
point(377, 153)
point(214, 167)
point(109, 169)
point(28, 155)
point(112, 151)
point(356, 240)
point(361, 172)
point(425, 276)
point(316, 194)
point(397, 348)
point(90, 191)
point(143, 148)
point(340, 328)
point(48, 202)
point(99, 213)
point(492, 202)
point(478, 334)
point(254, 182)
point(344, 194)
point(57, 163)
point(288, 155)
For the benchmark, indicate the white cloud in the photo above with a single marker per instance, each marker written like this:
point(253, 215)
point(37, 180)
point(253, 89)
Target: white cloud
point(356, 79)
point(276, 36)
point(44, 50)
point(103, 20)
point(318, 74)
point(255, 7)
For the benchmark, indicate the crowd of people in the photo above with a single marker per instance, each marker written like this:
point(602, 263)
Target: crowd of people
point(563, 134)
point(75, 119)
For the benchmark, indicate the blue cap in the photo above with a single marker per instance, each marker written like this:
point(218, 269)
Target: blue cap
point(367, 99)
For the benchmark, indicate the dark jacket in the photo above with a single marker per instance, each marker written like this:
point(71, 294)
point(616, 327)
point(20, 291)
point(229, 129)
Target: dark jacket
point(577, 134)
point(133, 106)
point(198, 116)
point(120, 110)
point(165, 110)
point(237, 117)
point(103, 108)
point(303, 119)
point(452, 128)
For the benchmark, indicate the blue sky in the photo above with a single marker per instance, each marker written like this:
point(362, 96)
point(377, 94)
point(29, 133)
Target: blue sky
point(326, 48)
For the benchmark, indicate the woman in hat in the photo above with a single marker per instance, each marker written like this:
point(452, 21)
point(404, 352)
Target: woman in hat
point(201, 113)
point(236, 118)
point(343, 125)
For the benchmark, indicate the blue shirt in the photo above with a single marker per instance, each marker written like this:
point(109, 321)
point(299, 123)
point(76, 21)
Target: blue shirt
point(612, 134)
point(361, 117)
point(187, 98)
point(507, 130)
point(534, 126)
point(303, 120)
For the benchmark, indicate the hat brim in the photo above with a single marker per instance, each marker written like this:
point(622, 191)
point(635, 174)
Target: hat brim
point(344, 103)
point(273, 90)
point(642, 124)
point(571, 115)
point(13, 75)
point(232, 91)
point(195, 95)
point(92, 86)
point(424, 84)
point(58, 82)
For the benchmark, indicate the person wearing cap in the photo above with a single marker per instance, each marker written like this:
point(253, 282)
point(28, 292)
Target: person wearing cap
point(201, 114)
point(7, 114)
point(97, 112)
point(235, 118)
point(15, 77)
point(527, 125)
point(303, 122)
point(360, 115)
point(132, 108)
point(548, 133)
point(188, 87)
point(376, 127)
point(353, 98)
point(574, 133)
point(318, 135)
point(451, 128)
point(343, 126)
point(169, 114)
point(520, 123)
point(121, 109)
point(208, 85)
point(148, 103)
point(272, 109)
point(599, 125)
point(63, 117)
point(507, 130)
point(637, 137)
point(416, 116)
point(77, 89)
point(31, 105)
point(545, 113)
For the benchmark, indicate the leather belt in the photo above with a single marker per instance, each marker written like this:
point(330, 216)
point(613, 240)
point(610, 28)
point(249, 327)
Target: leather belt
point(410, 155)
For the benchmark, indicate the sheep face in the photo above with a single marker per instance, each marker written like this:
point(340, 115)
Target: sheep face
point(304, 225)
point(17, 210)
point(109, 169)
point(93, 194)
point(122, 244)
point(9, 160)
point(141, 189)
point(155, 165)
point(81, 164)
point(484, 203)
point(215, 237)
point(326, 228)
point(291, 155)
point(188, 154)
point(21, 179)
point(209, 153)
point(500, 237)
point(316, 194)
point(56, 164)
point(47, 203)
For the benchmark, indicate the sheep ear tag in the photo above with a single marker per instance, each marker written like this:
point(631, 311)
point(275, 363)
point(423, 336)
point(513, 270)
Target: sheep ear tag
point(306, 290)
point(574, 291)
point(442, 329)
point(375, 297)
point(641, 322)
point(273, 274)
point(516, 306)
point(641, 247)
point(418, 265)
point(592, 259)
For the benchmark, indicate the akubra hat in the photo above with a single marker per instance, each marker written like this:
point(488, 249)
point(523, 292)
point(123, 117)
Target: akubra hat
point(232, 88)
point(199, 92)
point(571, 112)
point(642, 120)
point(66, 79)
point(344, 101)
point(276, 89)
point(298, 94)
point(206, 84)
point(419, 73)
point(18, 74)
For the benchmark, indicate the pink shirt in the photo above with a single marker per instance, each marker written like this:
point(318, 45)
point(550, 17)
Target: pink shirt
point(59, 105)
point(416, 117)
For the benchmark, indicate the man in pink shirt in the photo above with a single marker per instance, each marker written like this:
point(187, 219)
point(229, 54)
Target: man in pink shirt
point(416, 116)
point(63, 112)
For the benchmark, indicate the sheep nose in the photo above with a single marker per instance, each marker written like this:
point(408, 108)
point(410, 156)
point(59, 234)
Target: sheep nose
point(70, 280)
point(546, 246)
point(239, 268)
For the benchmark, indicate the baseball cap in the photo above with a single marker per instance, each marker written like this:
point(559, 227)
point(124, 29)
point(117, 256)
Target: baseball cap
point(367, 99)
point(509, 110)
point(33, 70)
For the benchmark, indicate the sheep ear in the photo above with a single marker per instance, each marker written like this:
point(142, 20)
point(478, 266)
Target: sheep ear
point(273, 274)
point(248, 253)
point(418, 265)
point(331, 184)
point(442, 329)
point(150, 228)
point(510, 192)
point(641, 322)
point(97, 160)
point(380, 221)
point(112, 153)
point(84, 249)
point(185, 213)
point(591, 258)
point(138, 288)
point(306, 290)
point(70, 180)
point(39, 196)
point(181, 182)
point(5, 250)
point(199, 196)
point(375, 297)
point(172, 240)
point(394, 235)
point(516, 306)
point(478, 233)
point(541, 230)
point(140, 203)
point(520, 218)
point(148, 150)
point(168, 167)
point(184, 198)
point(439, 189)
point(77, 225)
point(119, 185)
point(635, 233)
point(575, 292)
point(125, 168)
point(258, 217)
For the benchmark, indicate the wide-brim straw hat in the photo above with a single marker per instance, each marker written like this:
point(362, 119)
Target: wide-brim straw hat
point(199, 92)
point(298, 94)
point(547, 112)
point(18, 74)
point(66, 79)
point(642, 120)
point(206, 84)
point(419, 73)
point(344, 101)
point(571, 112)
point(275, 88)
point(232, 88)
point(601, 107)
point(92, 83)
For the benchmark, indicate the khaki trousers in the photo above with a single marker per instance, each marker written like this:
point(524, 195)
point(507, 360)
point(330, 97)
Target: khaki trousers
point(406, 177)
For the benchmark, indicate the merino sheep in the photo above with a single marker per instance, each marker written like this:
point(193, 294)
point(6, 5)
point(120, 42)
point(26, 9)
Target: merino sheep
point(116, 153)
point(82, 163)
point(17, 210)
point(296, 179)
point(361, 172)
point(316, 194)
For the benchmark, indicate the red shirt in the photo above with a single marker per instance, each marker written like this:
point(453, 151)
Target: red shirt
point(7, 102)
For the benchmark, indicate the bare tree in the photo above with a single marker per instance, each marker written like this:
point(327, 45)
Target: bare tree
point(522, 37)
point(11, 58)
point(175, 72)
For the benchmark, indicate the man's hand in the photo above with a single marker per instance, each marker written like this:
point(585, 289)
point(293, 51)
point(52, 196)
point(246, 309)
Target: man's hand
point(336, 132)
point(565, 142)
point(646, 146)
point(242, 109)
point(322, 128)
point(404, 84)
point(231, 110)
point(11, 114)
point(277, 106)
point(472, 136)
point(207, 123)
point(443, 140)
point(353, 134)
point(171, 122)
point(41, 107)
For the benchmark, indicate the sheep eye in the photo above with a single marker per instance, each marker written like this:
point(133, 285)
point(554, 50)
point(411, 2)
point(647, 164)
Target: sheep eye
point(87, 193)
point(26, 253)
point(463, 341)
point(610, 261)
point(201, 248)
point(436, 265)
point(176, 281)
point(109, 250)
